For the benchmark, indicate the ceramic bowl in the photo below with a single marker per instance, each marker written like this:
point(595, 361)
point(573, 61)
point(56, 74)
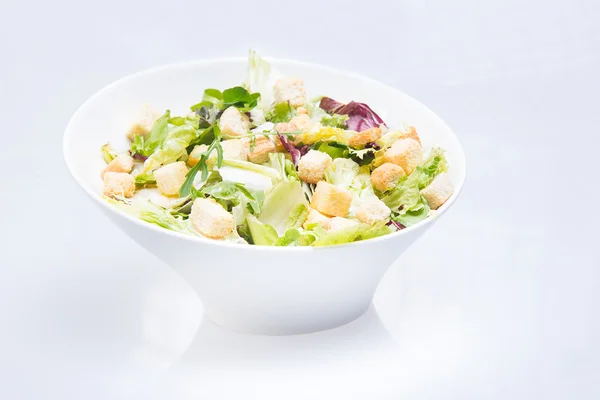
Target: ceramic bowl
point(256, 289)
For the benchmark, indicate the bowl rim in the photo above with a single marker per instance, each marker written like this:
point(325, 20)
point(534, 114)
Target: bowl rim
point(458, 186)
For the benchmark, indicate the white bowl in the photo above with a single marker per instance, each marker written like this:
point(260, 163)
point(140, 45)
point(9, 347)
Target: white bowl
point(256, 289)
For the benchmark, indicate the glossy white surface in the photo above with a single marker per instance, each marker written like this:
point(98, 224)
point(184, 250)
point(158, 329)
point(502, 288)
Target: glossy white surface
point(507, 307)
point(251, 289)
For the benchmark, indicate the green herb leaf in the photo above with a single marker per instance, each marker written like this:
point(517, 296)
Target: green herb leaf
point(203, 164)
point(281, 112)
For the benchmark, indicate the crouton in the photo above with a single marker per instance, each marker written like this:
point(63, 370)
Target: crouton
point(118, 184)
point(233, 149)
point(121, 163)
point(316, 217)
point(338, 223)
point(211, 219)
point(438, 191)
point(302, 110)
point(303, 122)
point(233, 122)
point(331, 200)
point(406, 153)
point(312, 165)
point(372, 210)
point(411, 133)
point(262, 147)
point(170, 177)
point(196, 153)
point(360, 139)
point(386, 176)
point(147, 117)
point(290, 89)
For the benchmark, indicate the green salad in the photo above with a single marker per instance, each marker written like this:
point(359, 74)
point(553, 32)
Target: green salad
point(263, 164)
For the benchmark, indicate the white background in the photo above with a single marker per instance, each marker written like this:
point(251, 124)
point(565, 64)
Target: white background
point(500, 300)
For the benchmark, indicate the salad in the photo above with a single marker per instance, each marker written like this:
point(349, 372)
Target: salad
point(262, 164)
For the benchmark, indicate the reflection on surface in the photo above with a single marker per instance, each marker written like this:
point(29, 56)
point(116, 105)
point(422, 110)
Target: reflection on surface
point(221, 361)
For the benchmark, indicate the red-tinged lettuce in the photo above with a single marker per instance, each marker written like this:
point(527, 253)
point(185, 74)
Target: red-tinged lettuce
point(360, 115)
point(294, 152)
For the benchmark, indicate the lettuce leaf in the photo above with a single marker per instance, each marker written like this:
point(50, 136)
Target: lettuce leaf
point(360, 115)
point(352, 234)
point(108, 154)
point(261, 78)
point(341, 172)
point(405, 200)
point(262, 234)
point(297, 216)
point(229, 194)
point(335, 120)
point(281, 112)
point(280, 203)
point(145, 146)
point(248, 166)
point(285, 167)
point(335, 150)
point(173, 147)
point(325, 134)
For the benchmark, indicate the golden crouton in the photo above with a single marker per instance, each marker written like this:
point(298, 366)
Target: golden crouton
point(372, 210)
point(312, 165)
point(438, 191)
point(121, 163)
point(262, 147)
point(290, 89)
point(331, 200)
point(360, 139)
point(338, 223)
point(233, 122)
point(406, 153)
point(386, 176)
point(211, 219)
point(170, 177)
point(316, 217)
point(118, 184)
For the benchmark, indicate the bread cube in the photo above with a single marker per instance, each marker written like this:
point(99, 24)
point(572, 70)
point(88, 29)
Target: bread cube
point(386, 176)
point(262, 147)
point(118, 184)
point(211, 219)
point(406, 153)
point(438, 191)
point(372, 210)
point(303, 122)
point(360, 139)
point(233, 122)
point(234, 149)
point(147, 117)
point(312, 165)
point(316, 217)
point(121, 163)
point(170, 177)
point(290, 89)
point(338, 223)
point(331, 200)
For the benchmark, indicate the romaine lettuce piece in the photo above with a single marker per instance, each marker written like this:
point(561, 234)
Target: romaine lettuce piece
point(341, 172)
point(145, 146)
point(352, 234)
point(262, 234)
point(261, 78)
point(280, 203)
point(173, 147)
point(108, 154)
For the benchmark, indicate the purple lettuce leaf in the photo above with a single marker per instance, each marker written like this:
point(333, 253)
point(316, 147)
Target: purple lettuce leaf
point(294, 152)
point(360, 115)
point(397, 225)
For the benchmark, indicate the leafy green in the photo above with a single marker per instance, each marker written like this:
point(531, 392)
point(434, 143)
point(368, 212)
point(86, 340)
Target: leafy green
point(145, 146)
point(261, 77)
point(297, 216)
point(416, 214)
point(261, 169)
point(240, 98)
point(362, 156)
point(406, 193)
point(285, 167)
point(145, 179)
point(281, 112)
point(108, 154)
point(335, 150)
point(280, 203)
point(341, 172)
point(261, 233)
point(289, 238)
point(335, 120)
point(203, 164)
point(173, 147)
point(229, 194)
point(352, 234)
